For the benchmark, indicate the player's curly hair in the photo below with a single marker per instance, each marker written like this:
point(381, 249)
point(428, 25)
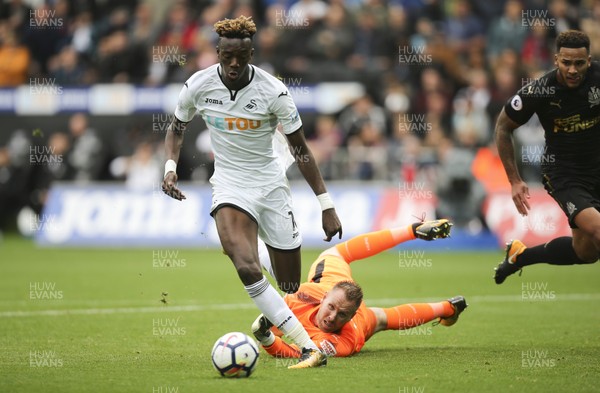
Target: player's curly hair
point(352, 290)
point(240, 27)
point(572, 39)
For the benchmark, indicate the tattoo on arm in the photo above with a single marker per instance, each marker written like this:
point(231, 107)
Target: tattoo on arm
point(504, 141)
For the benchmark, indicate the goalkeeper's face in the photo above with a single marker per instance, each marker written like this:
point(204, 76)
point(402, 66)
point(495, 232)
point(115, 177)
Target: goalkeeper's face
point(336, 310)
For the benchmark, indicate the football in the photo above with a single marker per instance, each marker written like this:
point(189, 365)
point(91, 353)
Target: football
point(235, 355)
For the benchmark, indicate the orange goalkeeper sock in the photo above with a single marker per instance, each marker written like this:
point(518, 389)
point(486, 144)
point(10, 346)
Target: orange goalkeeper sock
point(406, 316)
point(372, 243)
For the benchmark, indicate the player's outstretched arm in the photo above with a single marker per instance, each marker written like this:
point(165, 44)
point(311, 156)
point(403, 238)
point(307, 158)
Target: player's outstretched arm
point(504, 140)
point(309, 169)
point(173, 143)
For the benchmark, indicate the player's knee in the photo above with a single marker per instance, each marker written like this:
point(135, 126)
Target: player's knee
point(590, 260)
point(587, 256)
point(249, 273)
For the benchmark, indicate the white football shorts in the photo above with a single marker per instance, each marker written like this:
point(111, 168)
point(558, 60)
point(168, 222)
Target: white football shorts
point(270, 206)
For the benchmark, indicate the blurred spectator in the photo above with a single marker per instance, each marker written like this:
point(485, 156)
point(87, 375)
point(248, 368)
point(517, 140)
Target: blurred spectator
point(142, 170)
point(424, 31)
point(371, 44)
point(537, 49)
point(505, 84)
point(293, 32)
point(445, 59)
point(378, 8)
point(330, 45)
point(87, 154)
point(142, 29)
point(16, 14)
point(409, 161)
point(396, 99)
point(462, 29)
point(470, 122)
point(121, 61)
point(589, 24)
point(362, 111)
point(563, 16)
point(433, 98)
point(14, 58)
point(66, 68)
point(398, 28)
point(118, 19)
point(437, 117)
point(367, 153)
point(460, 195)
point(266, 55)
point(82, 36)
point(46, 33)
point(488, 169)
point(313, 10)
point(179, 27)
point(507, 31)
point(15, 169)
point(325, 143)
point(53, 166)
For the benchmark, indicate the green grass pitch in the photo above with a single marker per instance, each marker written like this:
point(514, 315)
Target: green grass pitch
point(97, 320)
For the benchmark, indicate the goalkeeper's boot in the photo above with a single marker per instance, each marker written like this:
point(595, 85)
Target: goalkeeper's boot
point(310, 358)
point(507, 267)
point(459, 304)
point(431, 230)
point(261, 328)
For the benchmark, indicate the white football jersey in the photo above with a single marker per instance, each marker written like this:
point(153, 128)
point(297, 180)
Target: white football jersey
point(241, 123)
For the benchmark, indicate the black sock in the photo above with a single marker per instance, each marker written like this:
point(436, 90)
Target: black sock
point(557, 251)
point(415, 226)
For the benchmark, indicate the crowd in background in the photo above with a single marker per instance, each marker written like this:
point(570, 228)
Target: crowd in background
point(436, 74)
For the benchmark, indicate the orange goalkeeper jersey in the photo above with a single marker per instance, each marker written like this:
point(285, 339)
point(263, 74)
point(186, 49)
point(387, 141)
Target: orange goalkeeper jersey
point(305, 303)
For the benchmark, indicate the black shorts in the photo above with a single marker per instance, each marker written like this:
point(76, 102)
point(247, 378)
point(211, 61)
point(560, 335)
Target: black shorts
point(573, 193)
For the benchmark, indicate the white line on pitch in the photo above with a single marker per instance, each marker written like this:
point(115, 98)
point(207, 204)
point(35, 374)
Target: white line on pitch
point(125, 310)
point(240, 306)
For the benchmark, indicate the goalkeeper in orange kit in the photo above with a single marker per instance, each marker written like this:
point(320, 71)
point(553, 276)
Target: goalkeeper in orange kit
point(330, 305)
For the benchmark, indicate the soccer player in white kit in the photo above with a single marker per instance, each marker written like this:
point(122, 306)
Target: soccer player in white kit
point(242, 106)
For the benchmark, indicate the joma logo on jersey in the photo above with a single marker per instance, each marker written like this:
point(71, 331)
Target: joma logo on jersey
point(213, 101)
point(233, 123)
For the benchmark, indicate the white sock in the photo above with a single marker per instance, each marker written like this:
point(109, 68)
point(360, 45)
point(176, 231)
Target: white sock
point(265, 258)
point(268, 300)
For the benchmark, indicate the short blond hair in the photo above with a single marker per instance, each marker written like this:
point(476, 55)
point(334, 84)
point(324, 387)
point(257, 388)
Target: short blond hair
point(352, 290)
